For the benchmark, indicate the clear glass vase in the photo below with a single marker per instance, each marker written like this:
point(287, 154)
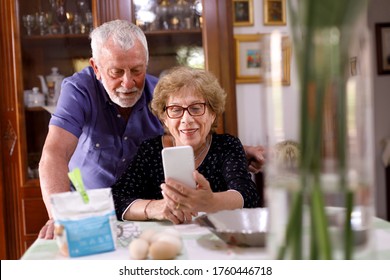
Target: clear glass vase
point(319, 171)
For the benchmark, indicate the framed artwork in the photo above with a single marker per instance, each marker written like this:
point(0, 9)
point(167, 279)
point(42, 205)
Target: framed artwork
point(242, 12)
point(382, 32)
point(274, 12)
point(250, 57)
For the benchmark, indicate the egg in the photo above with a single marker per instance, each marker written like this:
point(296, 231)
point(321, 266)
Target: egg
point(162, 250)
point(157, 244)
point(148, 235)
point(155, 236)
point(172, 239)
point(139, 249)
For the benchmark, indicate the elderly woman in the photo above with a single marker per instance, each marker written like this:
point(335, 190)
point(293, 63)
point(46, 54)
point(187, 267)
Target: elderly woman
point(188, 102)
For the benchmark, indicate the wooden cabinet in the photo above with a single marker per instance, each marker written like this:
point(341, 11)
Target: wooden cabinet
point(23, 130)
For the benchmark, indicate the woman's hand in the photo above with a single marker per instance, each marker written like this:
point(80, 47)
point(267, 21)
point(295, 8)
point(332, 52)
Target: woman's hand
point(180, 196)
point(159, 210)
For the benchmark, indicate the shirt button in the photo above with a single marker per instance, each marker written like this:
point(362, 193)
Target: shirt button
point(118, 115)
point(123, 159)
point(97, 145)
point(125, 138)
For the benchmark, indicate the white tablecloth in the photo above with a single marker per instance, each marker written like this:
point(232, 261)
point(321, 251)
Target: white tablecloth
point(199, 244)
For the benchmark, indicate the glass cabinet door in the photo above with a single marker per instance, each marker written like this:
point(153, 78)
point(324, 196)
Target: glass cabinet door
point(174, 32)
point(54, 44)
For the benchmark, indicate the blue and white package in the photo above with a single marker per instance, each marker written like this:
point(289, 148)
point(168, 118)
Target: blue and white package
point(81, 228)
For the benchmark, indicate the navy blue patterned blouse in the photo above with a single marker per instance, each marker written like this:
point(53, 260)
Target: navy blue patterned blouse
point(225, 167)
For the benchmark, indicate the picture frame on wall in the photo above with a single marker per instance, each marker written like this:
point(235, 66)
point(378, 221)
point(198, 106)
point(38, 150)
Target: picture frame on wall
point(274, 12)
point(249, 59)
point(382, 33)
point(353, 65)
point(242, 12)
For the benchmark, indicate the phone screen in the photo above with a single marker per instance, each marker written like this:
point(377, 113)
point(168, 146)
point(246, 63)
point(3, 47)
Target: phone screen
point(179, 164)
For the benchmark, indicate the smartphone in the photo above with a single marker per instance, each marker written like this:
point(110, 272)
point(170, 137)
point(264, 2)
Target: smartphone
point(179, 164)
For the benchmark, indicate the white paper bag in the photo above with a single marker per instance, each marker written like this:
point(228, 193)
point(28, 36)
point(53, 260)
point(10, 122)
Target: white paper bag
point(84, 228)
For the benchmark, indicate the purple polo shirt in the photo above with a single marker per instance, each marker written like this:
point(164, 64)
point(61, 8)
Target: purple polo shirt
point(107, 143)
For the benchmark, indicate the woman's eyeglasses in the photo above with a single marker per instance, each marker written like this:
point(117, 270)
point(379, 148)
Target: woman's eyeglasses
point(176, 111)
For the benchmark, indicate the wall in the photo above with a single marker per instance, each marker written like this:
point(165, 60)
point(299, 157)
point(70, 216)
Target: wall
point(250, 124)
point(249, 100)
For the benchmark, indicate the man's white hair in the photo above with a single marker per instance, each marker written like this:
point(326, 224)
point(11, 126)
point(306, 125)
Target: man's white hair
point(122, 32)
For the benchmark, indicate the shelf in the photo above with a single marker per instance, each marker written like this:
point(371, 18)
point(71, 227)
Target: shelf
point(86, 36)
point(49, 109)
point(174, 32)
point(35, 109)
point(55, 37)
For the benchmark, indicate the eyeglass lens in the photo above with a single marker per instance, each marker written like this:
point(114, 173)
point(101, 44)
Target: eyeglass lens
point(176, 111)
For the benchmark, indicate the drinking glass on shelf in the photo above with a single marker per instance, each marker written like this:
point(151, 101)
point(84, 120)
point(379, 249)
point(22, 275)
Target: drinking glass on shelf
point(163, 12)
point(70, 19)
point(89, 21)
point(49, 18)
point(61, 15)
point(53, 5)
point(85, 22)
point(82, 6)
point(78, 25)
point(42, 21)
point(182, 10)
point(29, 23)
point(196, 13)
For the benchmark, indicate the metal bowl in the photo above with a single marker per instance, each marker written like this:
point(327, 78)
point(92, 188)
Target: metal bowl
point(240, 227)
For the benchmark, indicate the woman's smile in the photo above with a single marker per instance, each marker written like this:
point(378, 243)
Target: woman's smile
point(189, 132)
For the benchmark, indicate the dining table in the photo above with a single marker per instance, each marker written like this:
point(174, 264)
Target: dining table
point(199, 243)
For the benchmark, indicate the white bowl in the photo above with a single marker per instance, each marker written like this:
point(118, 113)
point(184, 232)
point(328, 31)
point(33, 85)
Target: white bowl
point(241, 227)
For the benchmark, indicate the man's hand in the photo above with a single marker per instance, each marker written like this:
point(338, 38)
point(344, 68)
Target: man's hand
point(47, 231)
point(256, 158)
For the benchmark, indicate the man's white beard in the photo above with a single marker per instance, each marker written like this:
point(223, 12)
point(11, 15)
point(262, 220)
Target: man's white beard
point(117, 100)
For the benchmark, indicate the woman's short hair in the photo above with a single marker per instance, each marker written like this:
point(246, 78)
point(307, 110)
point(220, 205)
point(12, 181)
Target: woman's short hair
point(198, 80)
point(122, 32)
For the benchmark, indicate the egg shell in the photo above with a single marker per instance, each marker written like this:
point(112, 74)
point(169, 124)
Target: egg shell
point(155, 237)
point(139, 249)
point(174, 240)
point(162, 250)
point(148, 235)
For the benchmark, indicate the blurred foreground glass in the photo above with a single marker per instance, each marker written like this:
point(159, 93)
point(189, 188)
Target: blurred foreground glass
point(319, 176)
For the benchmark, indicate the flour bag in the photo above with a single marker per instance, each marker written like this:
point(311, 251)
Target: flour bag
point(84, 227)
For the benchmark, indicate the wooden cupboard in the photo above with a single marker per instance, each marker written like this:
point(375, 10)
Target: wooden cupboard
point(23, 130)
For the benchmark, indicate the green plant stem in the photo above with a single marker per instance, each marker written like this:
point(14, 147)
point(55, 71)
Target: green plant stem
point(297, 253)
point(321, 223)
point(293, 222)
point(348, 233)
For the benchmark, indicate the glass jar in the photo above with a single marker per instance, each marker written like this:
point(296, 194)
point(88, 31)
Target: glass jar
point(319, 175)
point(36, 98)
